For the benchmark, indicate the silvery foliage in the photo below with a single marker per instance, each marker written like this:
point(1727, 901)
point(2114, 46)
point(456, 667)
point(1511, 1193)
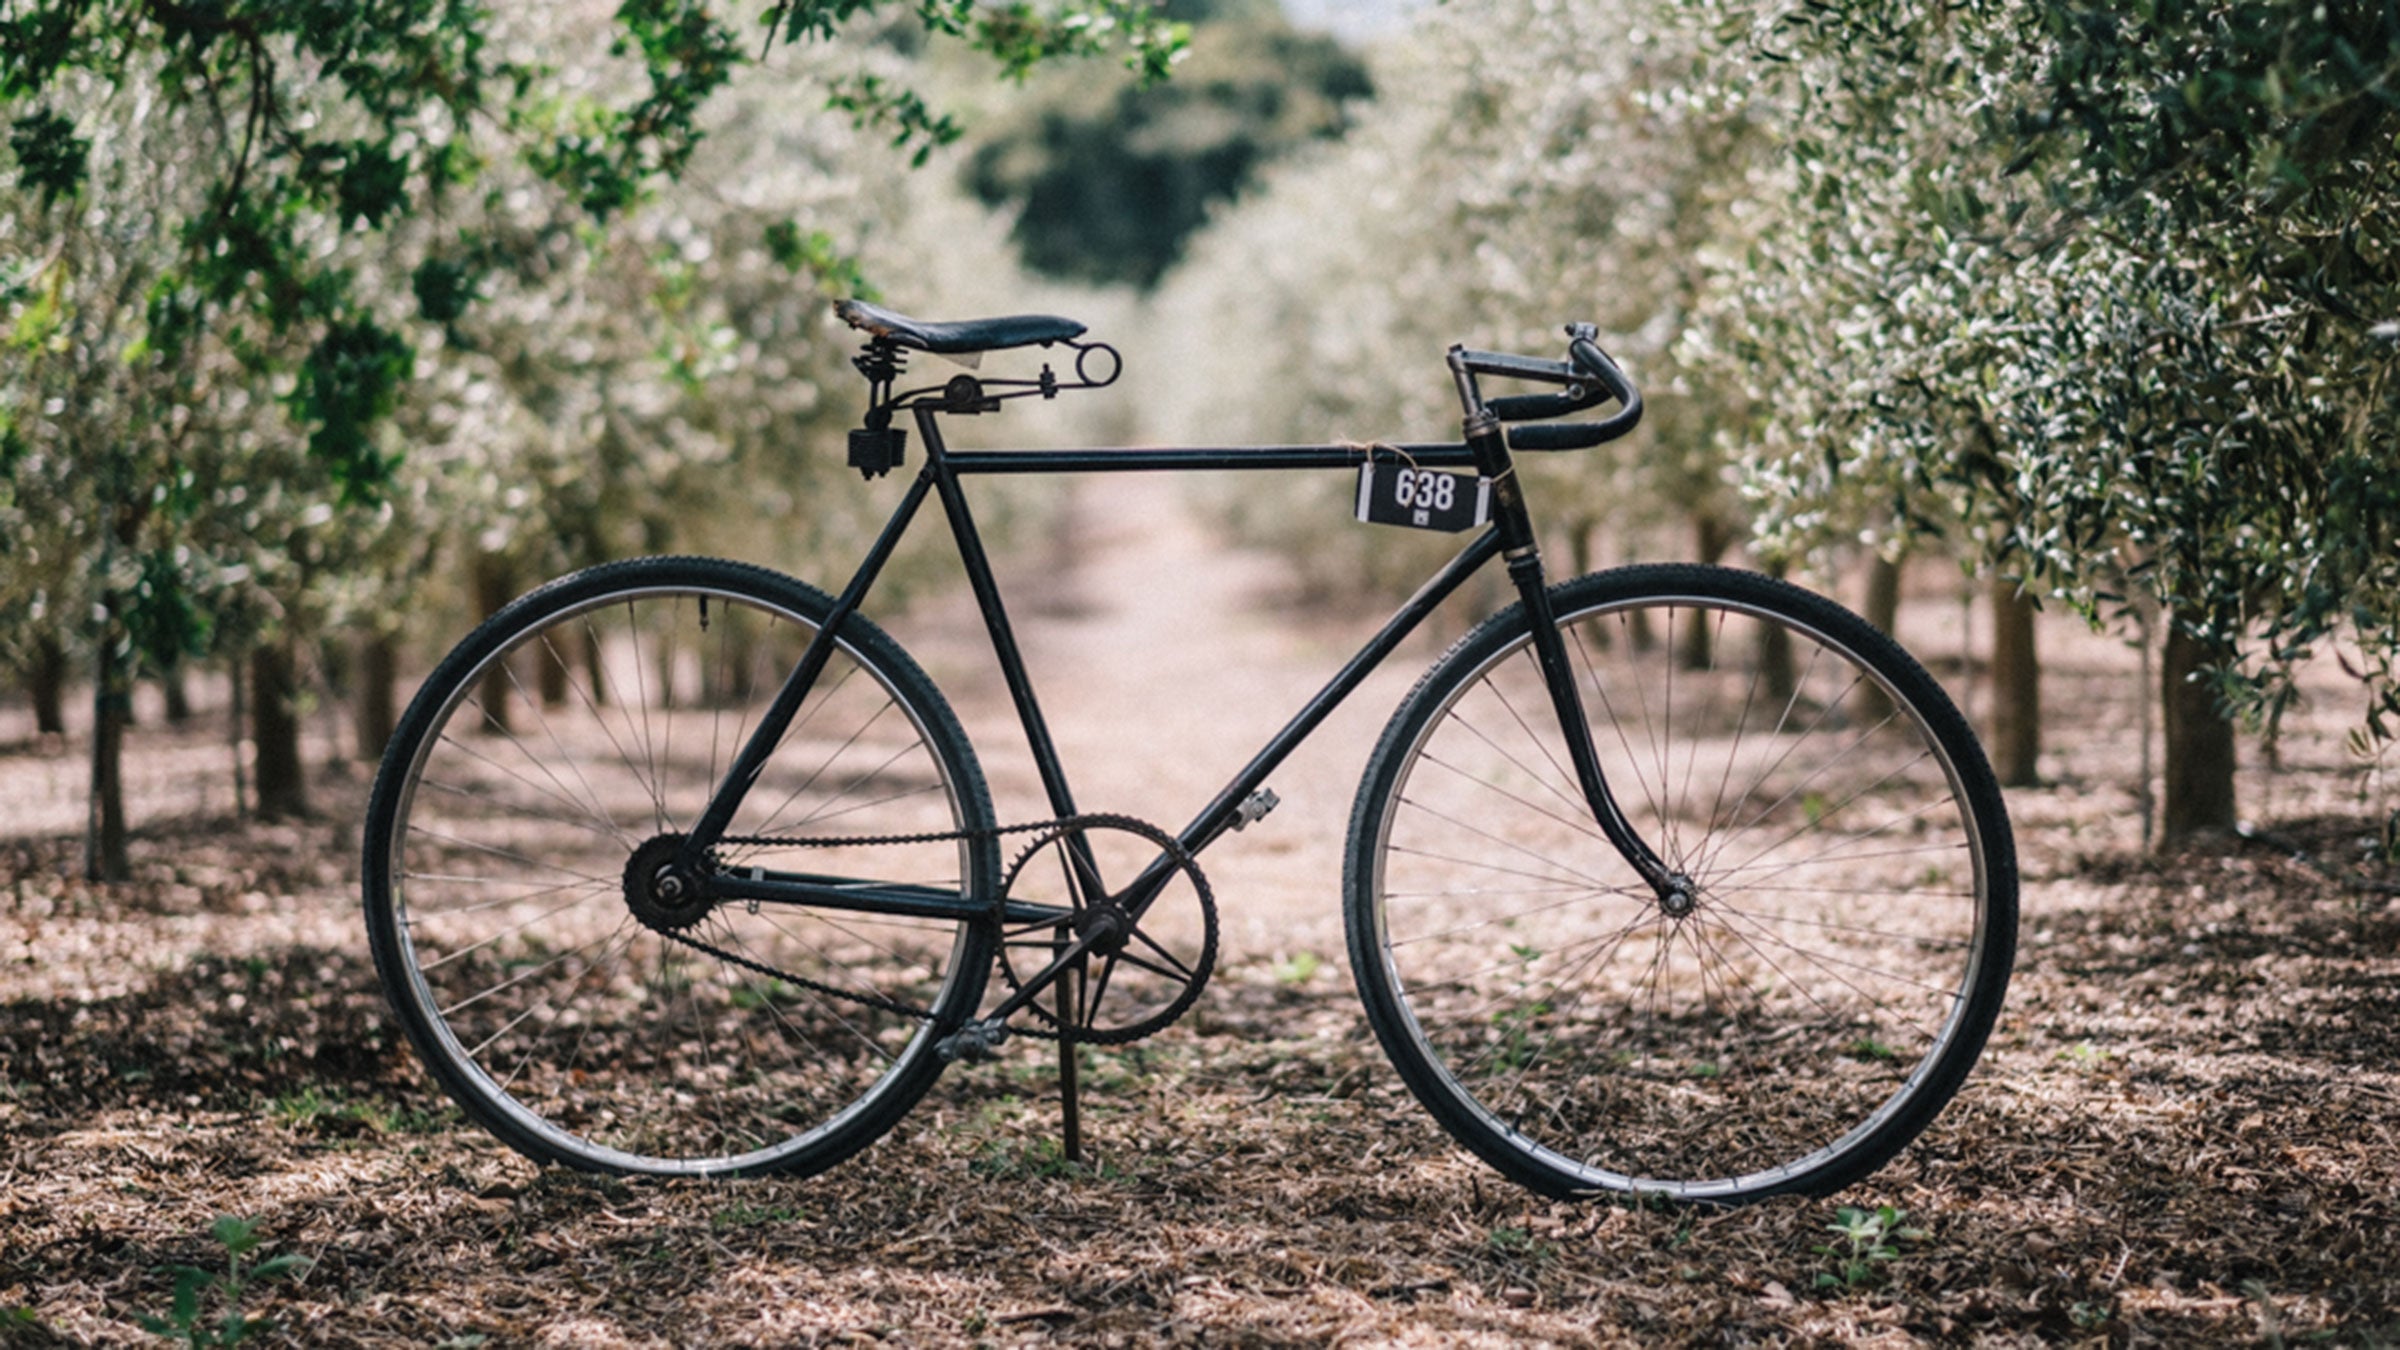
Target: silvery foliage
point(2083, 299)
point(1528, 163)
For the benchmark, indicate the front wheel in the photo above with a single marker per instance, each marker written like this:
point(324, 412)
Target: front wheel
point(1788, 1017)
point(584, 1010)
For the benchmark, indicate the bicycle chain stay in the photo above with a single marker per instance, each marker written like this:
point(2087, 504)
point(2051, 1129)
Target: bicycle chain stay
point(877, 1001)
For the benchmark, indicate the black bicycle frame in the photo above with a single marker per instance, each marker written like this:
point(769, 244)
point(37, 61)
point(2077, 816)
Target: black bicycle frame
point(1509, 534)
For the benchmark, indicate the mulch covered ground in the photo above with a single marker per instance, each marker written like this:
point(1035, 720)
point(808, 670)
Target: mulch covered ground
point(2187, 1130)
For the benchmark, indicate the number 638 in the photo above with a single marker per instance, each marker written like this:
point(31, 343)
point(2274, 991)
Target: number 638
point(1425, 488)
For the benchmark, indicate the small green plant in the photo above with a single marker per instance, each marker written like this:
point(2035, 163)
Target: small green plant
point(1518, 1249)
point(188, 1321)
point(2085, 1055)
point(1868, 1240)
point(1868, 1048)
point(1006, 1160)
point(1516, 1028)
point(753, 1216)
point(751, 997)
point(1515, 1024)
point(1508, 1240)
point(310, 1111)
point(1298, 970)
point(2090, 1316)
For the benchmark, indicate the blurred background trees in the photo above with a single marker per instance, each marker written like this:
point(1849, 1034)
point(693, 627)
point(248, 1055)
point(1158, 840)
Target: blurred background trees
point(327, 330)
point(1108, 177)
point(2081, 299)
point(2090, 296)
point(310, 303)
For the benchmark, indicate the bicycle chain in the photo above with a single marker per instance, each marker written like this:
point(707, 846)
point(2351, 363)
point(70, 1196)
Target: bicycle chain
point(877, 1001)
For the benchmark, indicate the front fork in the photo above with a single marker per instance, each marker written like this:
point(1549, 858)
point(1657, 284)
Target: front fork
point(1523, 554)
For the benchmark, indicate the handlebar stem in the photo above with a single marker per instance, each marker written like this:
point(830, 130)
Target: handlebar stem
point(1470, 395)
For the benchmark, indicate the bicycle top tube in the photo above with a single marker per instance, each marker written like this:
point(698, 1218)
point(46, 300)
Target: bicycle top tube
point(1345, 455)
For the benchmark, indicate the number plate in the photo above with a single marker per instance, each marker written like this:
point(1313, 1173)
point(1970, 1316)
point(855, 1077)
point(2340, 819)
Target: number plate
point(1422, 499)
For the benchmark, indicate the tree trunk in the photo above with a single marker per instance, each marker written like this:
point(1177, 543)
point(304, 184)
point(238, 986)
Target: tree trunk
point(494, 588)
point(1582, 551)
point(374, 695)
point(1778, 662)
point(175, 682)
point(595, 671)
point(46, 681)
point(2016, 729)
point(275, 728)
point(555, 676)
point(1640, 633)
point(105, 855)
point(236, 715)
point(1779, 666)
point(2200, 758)
point(1873, 707)
point(1583, 539)
point(1710, 539)
point(1883, 593)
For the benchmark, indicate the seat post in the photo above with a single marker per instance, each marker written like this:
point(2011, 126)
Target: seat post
point(878, 447)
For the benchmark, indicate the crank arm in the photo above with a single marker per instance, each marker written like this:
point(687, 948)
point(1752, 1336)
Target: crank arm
point(1042, 979)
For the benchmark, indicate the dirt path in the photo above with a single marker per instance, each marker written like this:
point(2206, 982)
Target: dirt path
point(2186, 1130)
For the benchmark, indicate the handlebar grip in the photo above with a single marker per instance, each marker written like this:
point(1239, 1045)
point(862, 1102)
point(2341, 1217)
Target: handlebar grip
point(1559, 436)
point(1540, 407)
point(1594, 362)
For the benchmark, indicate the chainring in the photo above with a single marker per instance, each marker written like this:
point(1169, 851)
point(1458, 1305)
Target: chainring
point(1141, 974)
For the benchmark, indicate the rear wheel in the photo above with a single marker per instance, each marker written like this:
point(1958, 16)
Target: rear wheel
point(1787, 1017)
point(577, 1000)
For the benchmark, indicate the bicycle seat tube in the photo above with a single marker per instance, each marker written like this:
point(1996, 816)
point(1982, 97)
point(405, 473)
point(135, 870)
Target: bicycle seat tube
point(1522, 553)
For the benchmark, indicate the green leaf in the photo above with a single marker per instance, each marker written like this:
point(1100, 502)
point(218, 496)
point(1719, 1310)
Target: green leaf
point(290, 1263)
point(373, 186)
point(190, 1283)
point(237, 1236)
point(50, 156)
point(349, 382)
point(445, 288)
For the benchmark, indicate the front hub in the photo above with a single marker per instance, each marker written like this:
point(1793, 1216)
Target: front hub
point(1679, 896)
point(662, 893)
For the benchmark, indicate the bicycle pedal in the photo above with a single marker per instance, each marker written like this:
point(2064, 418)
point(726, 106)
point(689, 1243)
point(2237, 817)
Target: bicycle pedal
point(974, 1043)
point(1254, 808)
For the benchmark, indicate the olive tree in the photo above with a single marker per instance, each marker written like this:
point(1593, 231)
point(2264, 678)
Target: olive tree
point(2095, 291)
point(1529, 163)
point(303, 239)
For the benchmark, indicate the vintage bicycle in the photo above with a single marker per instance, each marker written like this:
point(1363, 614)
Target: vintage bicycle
point(1671, 880)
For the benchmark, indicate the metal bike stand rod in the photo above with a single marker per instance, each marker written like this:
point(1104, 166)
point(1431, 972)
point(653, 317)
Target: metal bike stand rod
point(1070, 1105)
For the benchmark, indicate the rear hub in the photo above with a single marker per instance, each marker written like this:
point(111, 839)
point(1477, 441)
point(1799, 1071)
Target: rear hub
point(660, 891)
